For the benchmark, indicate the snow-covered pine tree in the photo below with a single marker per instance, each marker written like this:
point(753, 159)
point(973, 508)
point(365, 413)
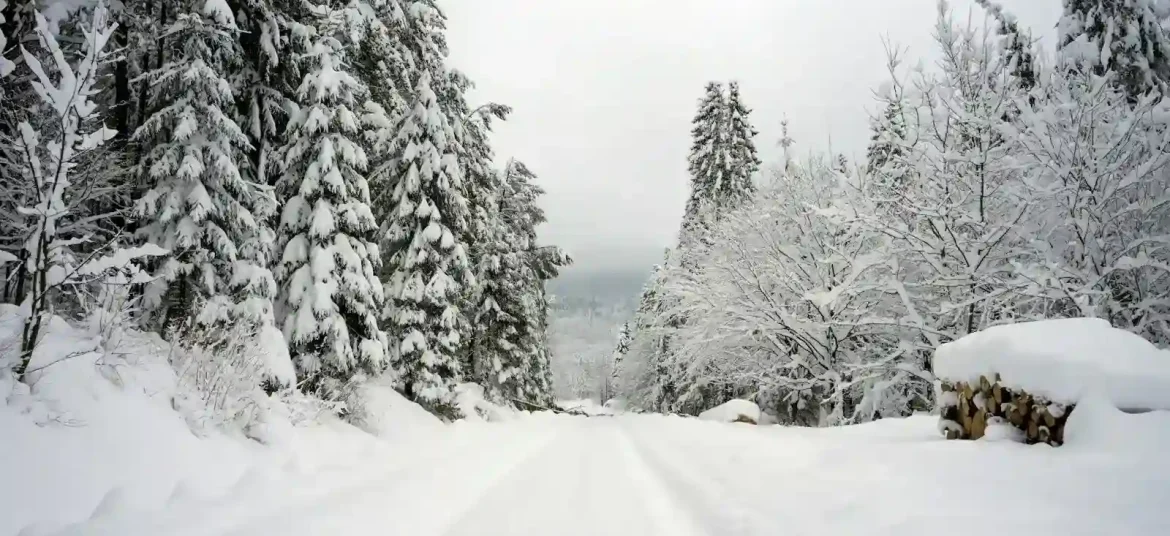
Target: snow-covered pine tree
point(329, 289)
point(264, 79)
point(1124, 37)
point(482, 187)
point(199, 207)
point(521, 215)
point(624, 339)
point(708, 162)
point(1016, 44)
point(427, 262)
point(645, 380)
point(743, 160)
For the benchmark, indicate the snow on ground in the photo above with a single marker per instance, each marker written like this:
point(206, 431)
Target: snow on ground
point(654, 475)
point(99, 431)
point(733, 411)
point(1063, 360)
point(96, 448)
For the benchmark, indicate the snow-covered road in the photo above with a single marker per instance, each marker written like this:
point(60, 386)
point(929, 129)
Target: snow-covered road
point(649, 475)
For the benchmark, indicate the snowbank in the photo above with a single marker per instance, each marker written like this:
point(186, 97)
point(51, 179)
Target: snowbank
point(733, 411)
point(1063, 361)
point(474, 405)
point(389, 415)
point(98, 430)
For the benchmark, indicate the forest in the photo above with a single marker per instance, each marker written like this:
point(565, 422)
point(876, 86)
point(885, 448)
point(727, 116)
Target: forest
point(297, 188)
point(1004, 182)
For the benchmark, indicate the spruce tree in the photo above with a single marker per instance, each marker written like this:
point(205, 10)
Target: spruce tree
point(1122, 37)
point(199, 207)
point(327, 235)
point(743, 160)
point(525, 358)
point(1016, 44)
point(427, 264)
point(708, 162)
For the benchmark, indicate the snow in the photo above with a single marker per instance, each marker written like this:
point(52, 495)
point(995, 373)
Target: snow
point(97, 433)
point(389, 415)
point(1063, 360)
point(274, 350)
point(732, 411)
point(659, 475)
point(95, 447)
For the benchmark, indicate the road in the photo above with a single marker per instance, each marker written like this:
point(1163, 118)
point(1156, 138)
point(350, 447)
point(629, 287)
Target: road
point(654, 475)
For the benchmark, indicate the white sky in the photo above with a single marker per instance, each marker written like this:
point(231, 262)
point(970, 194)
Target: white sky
point(604, 91)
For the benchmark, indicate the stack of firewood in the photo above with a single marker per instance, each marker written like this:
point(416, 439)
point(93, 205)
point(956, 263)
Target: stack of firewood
point(967, 409)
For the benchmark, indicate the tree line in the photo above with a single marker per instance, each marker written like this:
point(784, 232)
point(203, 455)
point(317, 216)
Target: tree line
point(312, 167)
point(1001, 184)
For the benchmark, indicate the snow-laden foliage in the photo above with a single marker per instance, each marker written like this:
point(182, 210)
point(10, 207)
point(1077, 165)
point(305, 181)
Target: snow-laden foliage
point(426, 257)
point(1123, 37)
point(55, 258)
point(260, 153)
point(330, 291)
point(780, 309)
point(999, 186)
point(212, 220)
point(511, 339)
point(1102, 233)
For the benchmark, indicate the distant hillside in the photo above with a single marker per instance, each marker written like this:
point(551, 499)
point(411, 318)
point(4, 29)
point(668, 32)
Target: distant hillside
point(587, 310)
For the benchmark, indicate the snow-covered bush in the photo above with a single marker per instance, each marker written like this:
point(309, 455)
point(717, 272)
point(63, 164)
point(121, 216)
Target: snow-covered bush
point(220, 374)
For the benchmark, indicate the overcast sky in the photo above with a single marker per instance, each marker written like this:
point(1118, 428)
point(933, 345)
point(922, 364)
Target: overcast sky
point(604, 91)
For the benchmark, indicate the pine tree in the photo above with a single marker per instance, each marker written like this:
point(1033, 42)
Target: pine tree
point(1122, 37)
point(1016, 44)
point(265, 79)
point(708, 161)
point(427, 263)
point(199, 207)
point(329, 289)
point(888, 130)
point(622, 348)
point(744, 162)
point(521, 215)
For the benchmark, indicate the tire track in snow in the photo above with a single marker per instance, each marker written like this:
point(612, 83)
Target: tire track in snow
point(589, 482)
point(702, 490)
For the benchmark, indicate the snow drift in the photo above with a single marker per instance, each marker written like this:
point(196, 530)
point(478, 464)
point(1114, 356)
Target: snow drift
point(104, 425)
point(733, 411)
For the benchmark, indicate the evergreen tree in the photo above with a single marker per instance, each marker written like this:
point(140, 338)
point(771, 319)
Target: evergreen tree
point(427, 265)
point(330, 292)
point(743, 161)
point(888, 130)
point(708, 161)
point(538, 264)
point(1016, 45)
point(199, 207)
point(619, 353)
point(1122, 37)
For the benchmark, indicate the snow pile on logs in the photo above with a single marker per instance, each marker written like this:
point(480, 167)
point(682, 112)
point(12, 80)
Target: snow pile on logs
point(733, 411)
point(1031, 375)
